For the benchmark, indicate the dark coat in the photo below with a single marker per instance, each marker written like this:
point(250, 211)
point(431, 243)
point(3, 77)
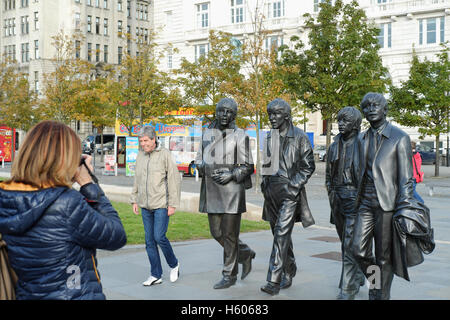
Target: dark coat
point(52, 234)
point(298, 158)
point(412, 236)
point(237, 159)
point(352, 169)
point(392, 167)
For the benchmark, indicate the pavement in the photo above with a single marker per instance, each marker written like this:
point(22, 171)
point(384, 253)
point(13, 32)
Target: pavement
point(317, 252)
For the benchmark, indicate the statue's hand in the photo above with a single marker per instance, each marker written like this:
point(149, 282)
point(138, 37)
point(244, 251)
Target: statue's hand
point(223, 178)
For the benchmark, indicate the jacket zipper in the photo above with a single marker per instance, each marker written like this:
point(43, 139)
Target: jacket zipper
point(95, 268)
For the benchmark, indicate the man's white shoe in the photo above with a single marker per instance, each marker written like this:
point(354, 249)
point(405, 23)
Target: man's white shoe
point(151, 281)
point(174, 273)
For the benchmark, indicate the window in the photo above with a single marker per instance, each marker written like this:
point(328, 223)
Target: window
point(129, 9)
point(105, 27)
point(97, 3)
point(273, 42)
point(89, 51)
point(77, 48)
point(168, 19)
point(105, 4)
point(119, 5)
point(36, 49)
point(36, 20)
point(200, 50)
point(119, 28)
point(316, 5)
point(169, 58)
point(119, 55)
point(77, 20)
point(36, 81)
point(89, 24)
point(192, 144)
point(24, 25)
point(105, 53)
point(385, 36)
point(97, 53)
point(89, 2)
point(431, 30)
point(23, 3)
point(97, 25)
point(277, 9)
point(237, 11)
point(203, 15)
point(25, 52)
point(176, 143)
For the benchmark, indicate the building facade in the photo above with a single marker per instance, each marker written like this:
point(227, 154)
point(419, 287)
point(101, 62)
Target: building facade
point(29, 25)
point(404, 25)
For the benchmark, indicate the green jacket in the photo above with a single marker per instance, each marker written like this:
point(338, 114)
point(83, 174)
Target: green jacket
point(157, 183)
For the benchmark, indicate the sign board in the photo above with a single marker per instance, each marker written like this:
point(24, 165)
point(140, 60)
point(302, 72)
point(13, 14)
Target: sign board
point(6, 143)
point(110, 164)
point(132, 147)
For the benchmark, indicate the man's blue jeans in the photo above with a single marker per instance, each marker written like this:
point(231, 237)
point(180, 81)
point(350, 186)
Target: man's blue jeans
point(155, 225)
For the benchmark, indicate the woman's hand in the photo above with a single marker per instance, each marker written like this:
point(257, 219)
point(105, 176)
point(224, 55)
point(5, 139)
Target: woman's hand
point(82, 175)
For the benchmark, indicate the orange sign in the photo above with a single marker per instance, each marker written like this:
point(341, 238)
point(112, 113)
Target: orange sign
point(6, 143)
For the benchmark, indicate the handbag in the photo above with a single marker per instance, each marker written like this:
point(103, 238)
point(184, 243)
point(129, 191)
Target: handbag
point(8, 277)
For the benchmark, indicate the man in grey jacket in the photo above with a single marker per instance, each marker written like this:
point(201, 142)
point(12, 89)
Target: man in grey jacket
point(226, 163)
point(156, 191)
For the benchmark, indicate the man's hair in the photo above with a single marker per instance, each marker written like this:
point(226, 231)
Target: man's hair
point(228, 102)
point(282, 103)
point(353, 114)
point(147, 131)
point(374, 97)
point(49, 156)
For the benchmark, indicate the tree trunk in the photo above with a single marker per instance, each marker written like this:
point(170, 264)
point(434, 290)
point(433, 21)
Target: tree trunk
point(328, 141)
point(258, 160)
point(436, 166)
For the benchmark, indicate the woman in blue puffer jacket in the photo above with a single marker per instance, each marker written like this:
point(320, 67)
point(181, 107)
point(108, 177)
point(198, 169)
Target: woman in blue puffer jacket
point(51, 230)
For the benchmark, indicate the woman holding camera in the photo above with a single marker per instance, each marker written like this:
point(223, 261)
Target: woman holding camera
point(52, 230)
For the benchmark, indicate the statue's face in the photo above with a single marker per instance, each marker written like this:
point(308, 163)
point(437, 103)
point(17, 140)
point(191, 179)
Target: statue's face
point(374, 112)
point(345, 124)
point(277, 117)
point(224, 115)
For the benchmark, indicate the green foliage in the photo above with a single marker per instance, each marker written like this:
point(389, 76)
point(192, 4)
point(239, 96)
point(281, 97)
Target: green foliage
point(17, 102)
point(341, 63)
point(423, 101)
point(203, 80)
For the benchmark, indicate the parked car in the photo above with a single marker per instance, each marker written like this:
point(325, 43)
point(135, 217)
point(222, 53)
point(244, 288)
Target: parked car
point(427, 153)
point(89, 145)
point(321, 152)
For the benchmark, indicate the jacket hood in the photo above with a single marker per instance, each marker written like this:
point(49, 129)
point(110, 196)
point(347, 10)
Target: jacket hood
point(21, 208)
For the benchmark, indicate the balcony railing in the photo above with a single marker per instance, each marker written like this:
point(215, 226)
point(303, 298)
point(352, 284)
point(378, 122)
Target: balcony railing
point(408, 6)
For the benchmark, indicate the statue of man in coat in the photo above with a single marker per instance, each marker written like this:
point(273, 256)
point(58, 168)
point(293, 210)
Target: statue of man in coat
point(386, 186)
point(342, 177)
point(291, 165)
point(226, 164)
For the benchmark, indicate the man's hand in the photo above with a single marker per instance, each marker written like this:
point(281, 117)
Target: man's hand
point(170, 210)
point(223, 178)
point(135, 209)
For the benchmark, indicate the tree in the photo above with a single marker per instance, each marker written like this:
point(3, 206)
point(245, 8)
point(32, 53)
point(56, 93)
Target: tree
point(143, 91)
point(260, 83)
point(17, 102)
point(423, 100)
point(341, 63)
point(95, 101)
point(67, 79)
point(203, 80)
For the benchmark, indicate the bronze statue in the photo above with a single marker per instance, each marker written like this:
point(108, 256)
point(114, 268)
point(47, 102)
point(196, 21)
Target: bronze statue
point(386, 193)
point(284, 192)
point(342, 178)
point(226, 164)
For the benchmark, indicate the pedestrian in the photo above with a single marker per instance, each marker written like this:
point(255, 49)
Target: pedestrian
point(226, 164)
point(417, 170)
point(284, 192)
point(342, 179)
point(156, 191)
point(51, 230)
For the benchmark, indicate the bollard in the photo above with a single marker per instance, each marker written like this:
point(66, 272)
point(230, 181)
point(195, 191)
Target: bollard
point(196, 175)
